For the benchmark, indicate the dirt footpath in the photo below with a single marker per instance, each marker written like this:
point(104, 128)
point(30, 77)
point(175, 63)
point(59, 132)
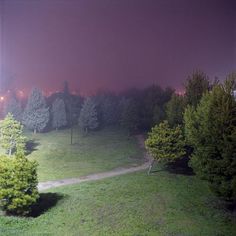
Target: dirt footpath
point(115, 172)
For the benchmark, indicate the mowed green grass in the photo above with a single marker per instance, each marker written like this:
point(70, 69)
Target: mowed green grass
point(97, 152)
point(134, 204)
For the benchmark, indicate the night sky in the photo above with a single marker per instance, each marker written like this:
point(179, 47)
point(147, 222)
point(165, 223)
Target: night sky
point(115, 44)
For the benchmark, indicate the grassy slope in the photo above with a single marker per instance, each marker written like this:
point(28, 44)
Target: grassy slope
point(100, 151)
point(135, 204)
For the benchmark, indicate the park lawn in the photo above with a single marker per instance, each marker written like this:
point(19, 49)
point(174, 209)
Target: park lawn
point(162, 204)
point(97, 152)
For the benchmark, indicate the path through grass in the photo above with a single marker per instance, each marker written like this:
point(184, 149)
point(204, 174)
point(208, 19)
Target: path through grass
point(135, 204)
point(99, 151)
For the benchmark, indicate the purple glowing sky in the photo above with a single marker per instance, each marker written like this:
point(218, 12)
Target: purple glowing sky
point(114, 44)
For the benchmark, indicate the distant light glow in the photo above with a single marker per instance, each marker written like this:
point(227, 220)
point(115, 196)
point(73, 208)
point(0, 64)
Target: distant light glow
point(2, 98)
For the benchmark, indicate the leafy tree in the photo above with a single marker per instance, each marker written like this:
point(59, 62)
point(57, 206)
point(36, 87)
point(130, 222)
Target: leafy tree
point(11, 137)
point(36, 114)
point(14, 107)
point(165, 143)
point(107, 108)
point(18, 184)
point(129, 115)
point(58, 114)
point(175, 109)
point(88, 116)
point(152, 106)
point(211, 130)
point(197, 84)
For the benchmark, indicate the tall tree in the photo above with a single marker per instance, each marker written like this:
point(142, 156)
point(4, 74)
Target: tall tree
point(11, 137)
point(175, 109)
point(196, 85)
point(36, 113)
point(13, 106)
point(58, 114)
point(129, 115)
point(88, 116)
point(211, 130)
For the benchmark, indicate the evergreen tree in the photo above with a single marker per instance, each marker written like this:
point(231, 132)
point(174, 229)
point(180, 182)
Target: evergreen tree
point(175, 109)
point(129, 115)
point(18, 184)
point(211, 130)
point(165, 143)
point(14, 107)
point(88, 116)
point(197, 84)
point(11, 137)
point(58, 114)
point(36, 114)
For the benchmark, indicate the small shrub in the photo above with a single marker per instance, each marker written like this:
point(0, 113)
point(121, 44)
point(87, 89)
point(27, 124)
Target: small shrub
point(18, 184)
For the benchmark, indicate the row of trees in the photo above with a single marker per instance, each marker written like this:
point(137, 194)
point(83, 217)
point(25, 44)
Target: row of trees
point(204, 121)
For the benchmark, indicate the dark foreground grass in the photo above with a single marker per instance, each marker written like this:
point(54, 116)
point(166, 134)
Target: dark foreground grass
point(135, 204)
point(97, 152)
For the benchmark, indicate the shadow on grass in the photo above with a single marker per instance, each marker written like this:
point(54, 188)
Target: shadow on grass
point(45, 202)
point(180, 166)
point(31, 146)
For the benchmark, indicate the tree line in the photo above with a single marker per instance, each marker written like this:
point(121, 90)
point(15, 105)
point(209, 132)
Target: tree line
point(202, 125)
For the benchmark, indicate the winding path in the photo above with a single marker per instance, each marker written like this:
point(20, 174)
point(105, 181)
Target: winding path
point(115, 172)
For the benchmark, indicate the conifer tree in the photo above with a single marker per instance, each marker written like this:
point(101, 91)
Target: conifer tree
point(196, 85)
point(175, 109)
point(14, 107)
point(36, 114)
point(165, 143)
point(11, 137)
point(58, 114)
point(211, 130)
point(88, 116)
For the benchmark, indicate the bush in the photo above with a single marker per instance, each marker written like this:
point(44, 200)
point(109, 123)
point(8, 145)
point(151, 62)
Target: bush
point(18, 184)
point(165, 143)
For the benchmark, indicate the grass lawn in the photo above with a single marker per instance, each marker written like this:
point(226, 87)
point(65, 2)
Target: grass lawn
point(134, 204)
point(97, 152)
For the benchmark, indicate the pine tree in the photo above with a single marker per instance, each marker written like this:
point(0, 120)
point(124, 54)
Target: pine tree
point(58, 114)
point(14, 107)
point(175, 109)
point(211, 130)
point(36, 114)
point(11, 137)
point(197, 84)
point(165, 143)
point(88, 116)
point(129, 115)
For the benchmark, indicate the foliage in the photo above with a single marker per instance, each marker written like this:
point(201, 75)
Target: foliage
point(165, 143)
point(14, 107)
point(88, 116)
point(58, 114)
point(196, 85)
point(211, 130)
point(18, 184)
point(129, 114)
point(152, 105)
point(11, 137)
point(36, 114)
point(175, 109)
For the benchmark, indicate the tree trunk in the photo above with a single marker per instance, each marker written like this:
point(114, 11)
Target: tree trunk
point(151, 165)
point(9, 152)
point(35, 131)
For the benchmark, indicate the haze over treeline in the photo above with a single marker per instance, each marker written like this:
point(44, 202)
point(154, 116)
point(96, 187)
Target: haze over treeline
point(113, 45)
